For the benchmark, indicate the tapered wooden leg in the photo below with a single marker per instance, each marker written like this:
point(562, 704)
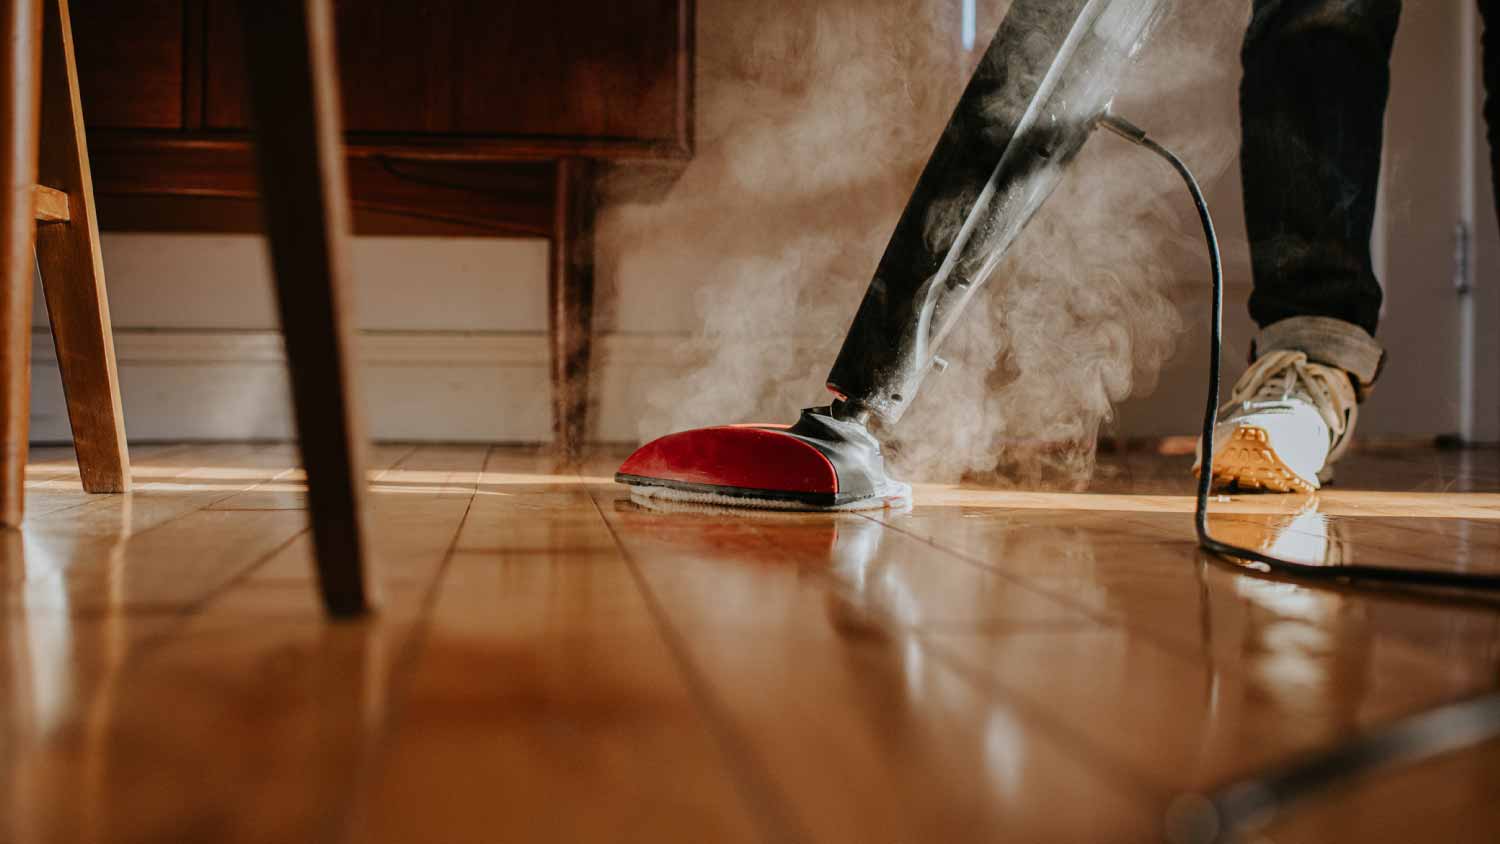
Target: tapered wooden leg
point(20, 86)
point(73, 271)
point(289, 52)
point(571, 298)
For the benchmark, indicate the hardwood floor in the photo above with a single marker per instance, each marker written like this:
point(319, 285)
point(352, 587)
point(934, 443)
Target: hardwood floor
point(555, 663)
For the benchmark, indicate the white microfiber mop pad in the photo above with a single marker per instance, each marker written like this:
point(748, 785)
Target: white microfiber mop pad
point(894, 495)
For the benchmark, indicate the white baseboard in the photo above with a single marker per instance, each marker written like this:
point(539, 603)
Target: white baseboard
point(433, 386)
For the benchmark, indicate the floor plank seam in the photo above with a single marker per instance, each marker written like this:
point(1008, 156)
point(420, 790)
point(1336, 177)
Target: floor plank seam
point(134, 534)
point(407, 455)
point(1103, 618)
point(770, 810)
point(1167, 646)
point(245, 573)
point(98, 500)
point(1127, 776)
point(378, 747)
point(989, 689)
point(143, 648)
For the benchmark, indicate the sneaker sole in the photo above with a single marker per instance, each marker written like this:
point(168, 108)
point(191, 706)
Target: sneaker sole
point(1249, 462)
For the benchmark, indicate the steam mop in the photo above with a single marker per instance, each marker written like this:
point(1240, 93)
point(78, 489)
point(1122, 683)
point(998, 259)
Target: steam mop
point(1043, 85)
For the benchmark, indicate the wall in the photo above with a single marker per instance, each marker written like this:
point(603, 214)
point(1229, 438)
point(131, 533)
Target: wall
point(1484, 255)
point(452, 329)
point(452, 342)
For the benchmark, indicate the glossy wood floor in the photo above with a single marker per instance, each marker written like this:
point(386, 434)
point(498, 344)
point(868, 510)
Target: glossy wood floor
point(554, 663)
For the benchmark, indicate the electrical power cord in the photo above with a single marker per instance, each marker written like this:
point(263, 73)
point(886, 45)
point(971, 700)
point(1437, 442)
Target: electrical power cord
point(1240, 808)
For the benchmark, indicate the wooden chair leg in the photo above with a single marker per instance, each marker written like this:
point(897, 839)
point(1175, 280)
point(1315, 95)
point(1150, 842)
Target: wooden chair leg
point(289, 52)
point(20, 87)
point(73, 271)
point(571, 303)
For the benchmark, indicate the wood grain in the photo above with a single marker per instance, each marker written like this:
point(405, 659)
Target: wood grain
point(51, 205)
point(234, 215)
point(573, 72)
point(289, 50)
point(512, 198)
point(72, 270)
point(133, 61)
point(409, 47)
point(20, 98)
point(585, 69)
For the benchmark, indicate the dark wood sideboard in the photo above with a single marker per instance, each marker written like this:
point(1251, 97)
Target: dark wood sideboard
point(461, 116)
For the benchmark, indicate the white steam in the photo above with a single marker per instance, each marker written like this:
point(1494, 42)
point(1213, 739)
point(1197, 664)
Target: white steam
point(814, 119)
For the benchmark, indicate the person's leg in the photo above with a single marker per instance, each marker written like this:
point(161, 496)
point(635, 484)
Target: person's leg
point(1489, 11)
point(1312, 105)
point(1316, 79)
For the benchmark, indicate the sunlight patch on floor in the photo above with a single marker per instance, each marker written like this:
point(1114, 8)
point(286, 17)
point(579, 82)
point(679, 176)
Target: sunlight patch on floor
point(1446, 505)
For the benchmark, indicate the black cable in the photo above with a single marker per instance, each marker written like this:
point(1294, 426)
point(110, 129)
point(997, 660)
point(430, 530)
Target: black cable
point(1231, 813)
point(1239, 808)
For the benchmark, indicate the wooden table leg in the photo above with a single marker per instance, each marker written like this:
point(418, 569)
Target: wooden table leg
point(289, 51)
point(571, 303)
point(20, 87)
point(73, 271)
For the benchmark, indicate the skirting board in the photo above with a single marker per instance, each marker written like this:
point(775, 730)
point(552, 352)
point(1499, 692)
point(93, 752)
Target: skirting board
point(447, 387)
point(218, 385)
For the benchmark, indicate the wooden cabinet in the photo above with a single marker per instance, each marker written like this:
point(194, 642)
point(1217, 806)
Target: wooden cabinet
point(478, 78)
point(487, 115)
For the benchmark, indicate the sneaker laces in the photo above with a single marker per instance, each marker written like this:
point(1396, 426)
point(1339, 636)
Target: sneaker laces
point(1284, 374)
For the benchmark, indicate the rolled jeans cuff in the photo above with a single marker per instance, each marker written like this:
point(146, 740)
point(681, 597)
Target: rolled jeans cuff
point(1329, 341)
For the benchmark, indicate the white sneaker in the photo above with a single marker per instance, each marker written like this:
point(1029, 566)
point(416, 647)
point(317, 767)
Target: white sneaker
point(1286, 423)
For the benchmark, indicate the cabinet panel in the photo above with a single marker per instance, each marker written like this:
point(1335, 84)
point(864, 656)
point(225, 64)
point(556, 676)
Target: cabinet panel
point(395, 64)
point(584, 68)
point(566, 69)
point(130, 62)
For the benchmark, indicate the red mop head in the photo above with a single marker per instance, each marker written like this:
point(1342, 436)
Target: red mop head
point(820, 464)
point(741, 457)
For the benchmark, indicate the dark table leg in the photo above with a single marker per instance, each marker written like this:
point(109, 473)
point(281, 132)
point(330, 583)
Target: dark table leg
point(571, 303)
point(289, 51)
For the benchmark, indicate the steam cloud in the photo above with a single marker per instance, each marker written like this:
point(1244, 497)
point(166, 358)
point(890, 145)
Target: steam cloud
point(814, 120)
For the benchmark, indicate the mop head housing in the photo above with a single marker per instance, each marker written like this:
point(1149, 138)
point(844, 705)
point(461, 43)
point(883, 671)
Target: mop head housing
point(821, 463)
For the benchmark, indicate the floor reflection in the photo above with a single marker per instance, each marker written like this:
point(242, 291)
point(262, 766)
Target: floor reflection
point(1041, 663)
point(108, 698)
point(878, 601)
point(1305, 535)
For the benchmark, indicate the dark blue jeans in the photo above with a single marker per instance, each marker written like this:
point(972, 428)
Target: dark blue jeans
point(1317, 75)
